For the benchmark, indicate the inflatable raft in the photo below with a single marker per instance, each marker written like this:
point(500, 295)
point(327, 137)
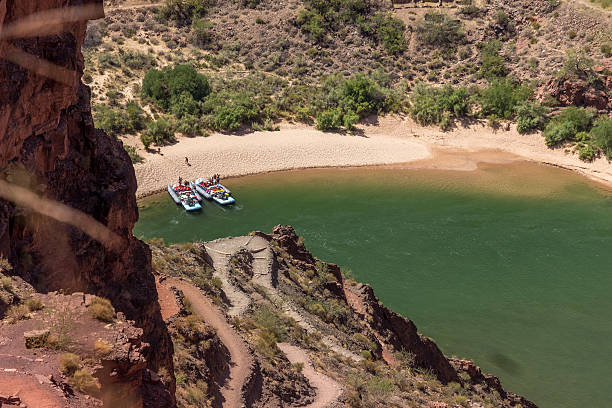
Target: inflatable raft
point(216, 192)
point(185, 196)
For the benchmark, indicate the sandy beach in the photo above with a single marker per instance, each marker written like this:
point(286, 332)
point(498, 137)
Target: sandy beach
point(385, 140)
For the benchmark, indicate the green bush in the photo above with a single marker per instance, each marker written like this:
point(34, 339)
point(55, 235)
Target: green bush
point(109, 120)
point(439, 30)
point(183, 12)
point(530, 116)
point(436, 106)
point(502, 97)
point(567, 124)
point(201, 31)
point(137, 60)
point(229, 111)
point(136, 120)
point(330, 119)
point(169, 85)
point(387, 30)
point(602, 135)
point(312, 23)
point(134, 156)
point(493, 65)
point(160, 132)
point(606, 49)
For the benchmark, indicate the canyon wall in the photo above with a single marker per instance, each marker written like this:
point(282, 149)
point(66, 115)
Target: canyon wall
point(49, 147)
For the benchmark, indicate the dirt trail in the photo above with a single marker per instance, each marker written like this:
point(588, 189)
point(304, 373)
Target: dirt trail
point(29, 391)
point(328, 390)
point(167, 301)
point(221, 251)
point(241, 360)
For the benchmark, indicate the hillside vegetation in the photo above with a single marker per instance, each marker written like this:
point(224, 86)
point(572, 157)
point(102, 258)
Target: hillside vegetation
point(332, 63)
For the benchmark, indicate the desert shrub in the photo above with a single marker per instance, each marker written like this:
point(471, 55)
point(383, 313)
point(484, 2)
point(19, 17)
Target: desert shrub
point(493, 65)
point(587, 152)
point(17, 312)
point(6, 283)
point(201, 31)
point(137, 60)
point(69, 363)
point(270, 321)
point(102, 347)
point(470, 11)
point(160, 131)
point(230, 116)
point(83, 381)
point(386, 30)
point(111, 121)
point(606, 49)
point(190, 125)
point(330, 119)
point(184, 104)
point(251, 3)
point(436, 106)
point(530, 116)
point(146, 139)
point(602, 135)
point(136, 119)
point(107, 61)
point(439, 30)
point(101, 309)
point(169, 84)
point(94, 35)
point(312, 23)
point(502, 19)
point(266, 344)
point(135, 158)
point(578, 64)
point(183, 12)
point(567, 124)
point(33, 304)
point(502, 97)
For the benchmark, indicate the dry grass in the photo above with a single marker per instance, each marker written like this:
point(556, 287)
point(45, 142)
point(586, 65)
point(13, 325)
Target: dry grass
point(69, 363)
point(102, 309)
point(34, 304)
point(102, 348)
point(83, 381)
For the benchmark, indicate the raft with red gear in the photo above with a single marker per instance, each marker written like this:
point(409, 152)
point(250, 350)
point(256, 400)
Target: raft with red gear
point(212, 190)
point(185, 196)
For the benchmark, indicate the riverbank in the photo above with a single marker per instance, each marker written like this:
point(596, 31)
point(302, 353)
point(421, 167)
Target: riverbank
point(385, 140)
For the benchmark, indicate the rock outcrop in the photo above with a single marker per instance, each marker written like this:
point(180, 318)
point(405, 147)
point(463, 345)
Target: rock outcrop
point(592, 89)
point(48, 146)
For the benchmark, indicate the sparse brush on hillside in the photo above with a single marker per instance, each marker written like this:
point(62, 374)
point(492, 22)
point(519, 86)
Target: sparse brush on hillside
point(440, 31)
point(183, 12)
point(319, 18)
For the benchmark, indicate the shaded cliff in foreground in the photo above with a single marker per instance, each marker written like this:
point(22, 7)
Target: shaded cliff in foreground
point(49, 147)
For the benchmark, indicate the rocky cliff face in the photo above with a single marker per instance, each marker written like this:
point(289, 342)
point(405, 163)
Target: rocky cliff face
point(49, 146)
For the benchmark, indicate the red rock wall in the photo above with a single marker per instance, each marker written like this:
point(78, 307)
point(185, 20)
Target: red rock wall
point(48, 144)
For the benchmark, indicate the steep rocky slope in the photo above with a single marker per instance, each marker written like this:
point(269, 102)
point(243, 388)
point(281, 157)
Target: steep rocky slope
point(303, 311)
point(49, 147)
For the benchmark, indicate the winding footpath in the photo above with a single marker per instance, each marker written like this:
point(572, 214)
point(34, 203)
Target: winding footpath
point(221, 252)
point(328, 390)
point(241, 361)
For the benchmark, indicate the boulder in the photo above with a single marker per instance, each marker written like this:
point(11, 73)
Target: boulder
point(36, 338)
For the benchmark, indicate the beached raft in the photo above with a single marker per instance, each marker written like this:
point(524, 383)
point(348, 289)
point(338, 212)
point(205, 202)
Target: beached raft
point(185, 196)
point(211, 191)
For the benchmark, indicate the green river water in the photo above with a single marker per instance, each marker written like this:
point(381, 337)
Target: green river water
point(508, 265)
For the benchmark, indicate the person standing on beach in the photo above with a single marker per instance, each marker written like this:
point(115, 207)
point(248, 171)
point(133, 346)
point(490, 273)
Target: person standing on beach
point(187, 160)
